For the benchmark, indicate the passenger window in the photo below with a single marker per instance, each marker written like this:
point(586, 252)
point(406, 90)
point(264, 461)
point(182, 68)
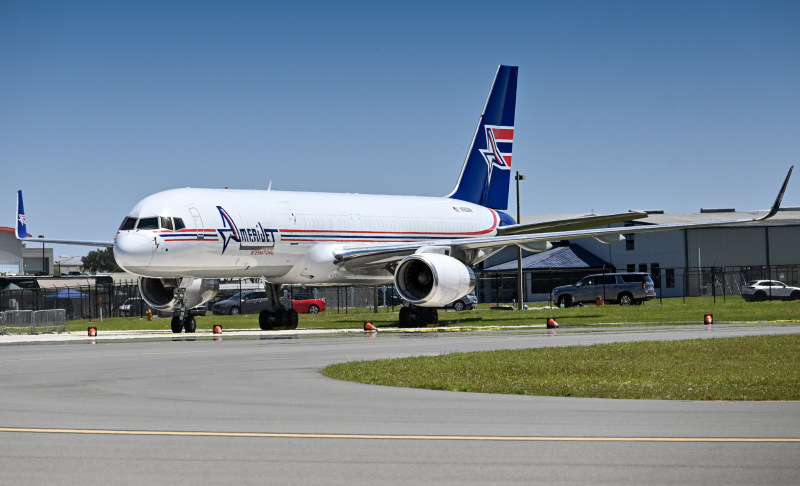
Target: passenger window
point(148, 223)
point(179, 224)
point(128, 224)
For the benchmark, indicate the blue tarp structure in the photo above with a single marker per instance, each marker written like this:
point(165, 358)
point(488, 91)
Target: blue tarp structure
point(66, 294)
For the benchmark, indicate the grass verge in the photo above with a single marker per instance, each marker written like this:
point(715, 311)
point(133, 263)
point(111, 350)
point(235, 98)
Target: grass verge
point(673, 311)
point(748, 368)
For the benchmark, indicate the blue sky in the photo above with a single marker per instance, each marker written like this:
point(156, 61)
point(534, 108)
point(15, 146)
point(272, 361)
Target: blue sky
point(621, 104)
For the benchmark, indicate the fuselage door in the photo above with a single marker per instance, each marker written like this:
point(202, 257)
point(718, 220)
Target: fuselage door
point(198, 223)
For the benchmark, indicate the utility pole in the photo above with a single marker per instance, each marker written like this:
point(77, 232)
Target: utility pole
point(44, 263)
point(520, 297)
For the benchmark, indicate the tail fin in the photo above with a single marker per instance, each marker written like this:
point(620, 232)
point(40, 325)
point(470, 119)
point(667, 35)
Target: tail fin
point(22, 228)
point(486, 173)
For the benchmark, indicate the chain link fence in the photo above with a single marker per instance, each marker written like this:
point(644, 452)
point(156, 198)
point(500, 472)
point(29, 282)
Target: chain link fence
point(717, 282)
point(108, 299)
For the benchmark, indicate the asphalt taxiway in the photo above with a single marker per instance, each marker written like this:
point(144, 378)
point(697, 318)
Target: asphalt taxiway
point(252, 408)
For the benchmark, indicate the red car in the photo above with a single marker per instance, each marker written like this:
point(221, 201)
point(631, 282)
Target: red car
point(308, 306)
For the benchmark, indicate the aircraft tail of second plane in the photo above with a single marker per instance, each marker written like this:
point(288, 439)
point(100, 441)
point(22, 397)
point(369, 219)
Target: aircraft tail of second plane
point(486, 173)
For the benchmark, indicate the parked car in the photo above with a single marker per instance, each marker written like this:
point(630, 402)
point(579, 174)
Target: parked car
point(622, 288)
point(254, 301)
point(469, 301)
point(761, 290)
point(246, 302)
point(133, 307)
point(309, 306)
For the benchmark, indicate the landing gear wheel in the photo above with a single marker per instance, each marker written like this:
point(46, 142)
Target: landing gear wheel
point(278, 315)
point(177, 325)
point(433, 317)
point(189, 324)
point(403, 317)
point(291, 319)
point(264, 320)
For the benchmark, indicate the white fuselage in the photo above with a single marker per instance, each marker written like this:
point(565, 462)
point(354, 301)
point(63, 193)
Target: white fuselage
point(285, 237)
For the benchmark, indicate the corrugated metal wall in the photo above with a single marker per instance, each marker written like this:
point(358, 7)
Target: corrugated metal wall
point(726, 247)
point(744, 246)
point(784, 245)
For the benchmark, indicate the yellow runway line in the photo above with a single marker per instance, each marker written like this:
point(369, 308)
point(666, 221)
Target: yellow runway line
point(394, 437)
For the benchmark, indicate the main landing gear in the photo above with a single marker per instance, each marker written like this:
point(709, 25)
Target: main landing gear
point(276, 317)
point(414, 316)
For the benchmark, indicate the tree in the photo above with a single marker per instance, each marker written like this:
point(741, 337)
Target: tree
point(100, 261)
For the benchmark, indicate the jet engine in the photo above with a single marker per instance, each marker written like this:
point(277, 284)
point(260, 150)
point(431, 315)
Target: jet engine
point(432, 279)
point(164, 293)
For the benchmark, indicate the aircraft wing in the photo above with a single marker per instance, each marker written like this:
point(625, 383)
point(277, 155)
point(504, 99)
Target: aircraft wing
point(581, 222)
point(366, 256)
point(22, 231)
point(69, 242)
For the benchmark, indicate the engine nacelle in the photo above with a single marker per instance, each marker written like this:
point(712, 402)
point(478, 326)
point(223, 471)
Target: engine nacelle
point(536, 247)
point(609, 239)
point(160, 292)
point(432, 279)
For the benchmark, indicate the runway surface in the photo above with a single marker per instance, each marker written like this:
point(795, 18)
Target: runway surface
point(253, 409)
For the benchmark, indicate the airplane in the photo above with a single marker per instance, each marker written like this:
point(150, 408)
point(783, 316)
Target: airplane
point(180, 242)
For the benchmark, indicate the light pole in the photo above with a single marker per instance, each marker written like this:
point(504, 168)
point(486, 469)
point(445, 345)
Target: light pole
point(518, 177)
point(44, 266)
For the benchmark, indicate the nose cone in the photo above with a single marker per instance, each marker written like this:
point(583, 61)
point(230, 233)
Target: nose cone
point(133, 251)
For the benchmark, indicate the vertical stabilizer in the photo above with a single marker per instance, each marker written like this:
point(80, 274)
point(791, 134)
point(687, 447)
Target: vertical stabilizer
point(22, 228)
point(486, 173)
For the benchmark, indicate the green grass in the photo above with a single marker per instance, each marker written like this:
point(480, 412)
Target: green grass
point(750, 368)
point(673, 311)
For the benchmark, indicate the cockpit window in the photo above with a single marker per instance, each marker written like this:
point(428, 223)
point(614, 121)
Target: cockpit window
point(166, 223)
point(153, 223)
point(128, 224)
point(148, 223)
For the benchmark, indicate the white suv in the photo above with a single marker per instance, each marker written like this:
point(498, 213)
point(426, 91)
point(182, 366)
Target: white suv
point(761, 290)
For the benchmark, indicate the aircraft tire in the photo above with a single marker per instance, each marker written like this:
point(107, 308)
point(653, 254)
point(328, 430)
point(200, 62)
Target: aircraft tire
point(403, 317)
point(264, 320)
point(280, 318)
point(190, 324)
point(292, 319)
point(176, 325)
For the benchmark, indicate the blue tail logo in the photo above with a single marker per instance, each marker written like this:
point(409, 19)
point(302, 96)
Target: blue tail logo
point(22, 228)
point(486, 174)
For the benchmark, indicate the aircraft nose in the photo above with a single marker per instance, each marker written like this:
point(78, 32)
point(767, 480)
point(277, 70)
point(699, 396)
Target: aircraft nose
point(133, 251)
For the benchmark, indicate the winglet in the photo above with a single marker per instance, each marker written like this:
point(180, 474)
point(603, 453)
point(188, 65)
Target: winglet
point(22, 228)
point(777, 205)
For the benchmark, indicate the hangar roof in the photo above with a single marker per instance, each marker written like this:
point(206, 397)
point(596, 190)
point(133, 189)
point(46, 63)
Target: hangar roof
point(786, 217)
point(563, 257)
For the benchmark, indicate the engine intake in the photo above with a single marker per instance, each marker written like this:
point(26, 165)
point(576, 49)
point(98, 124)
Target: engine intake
point(432, 279)
point(160, 292)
